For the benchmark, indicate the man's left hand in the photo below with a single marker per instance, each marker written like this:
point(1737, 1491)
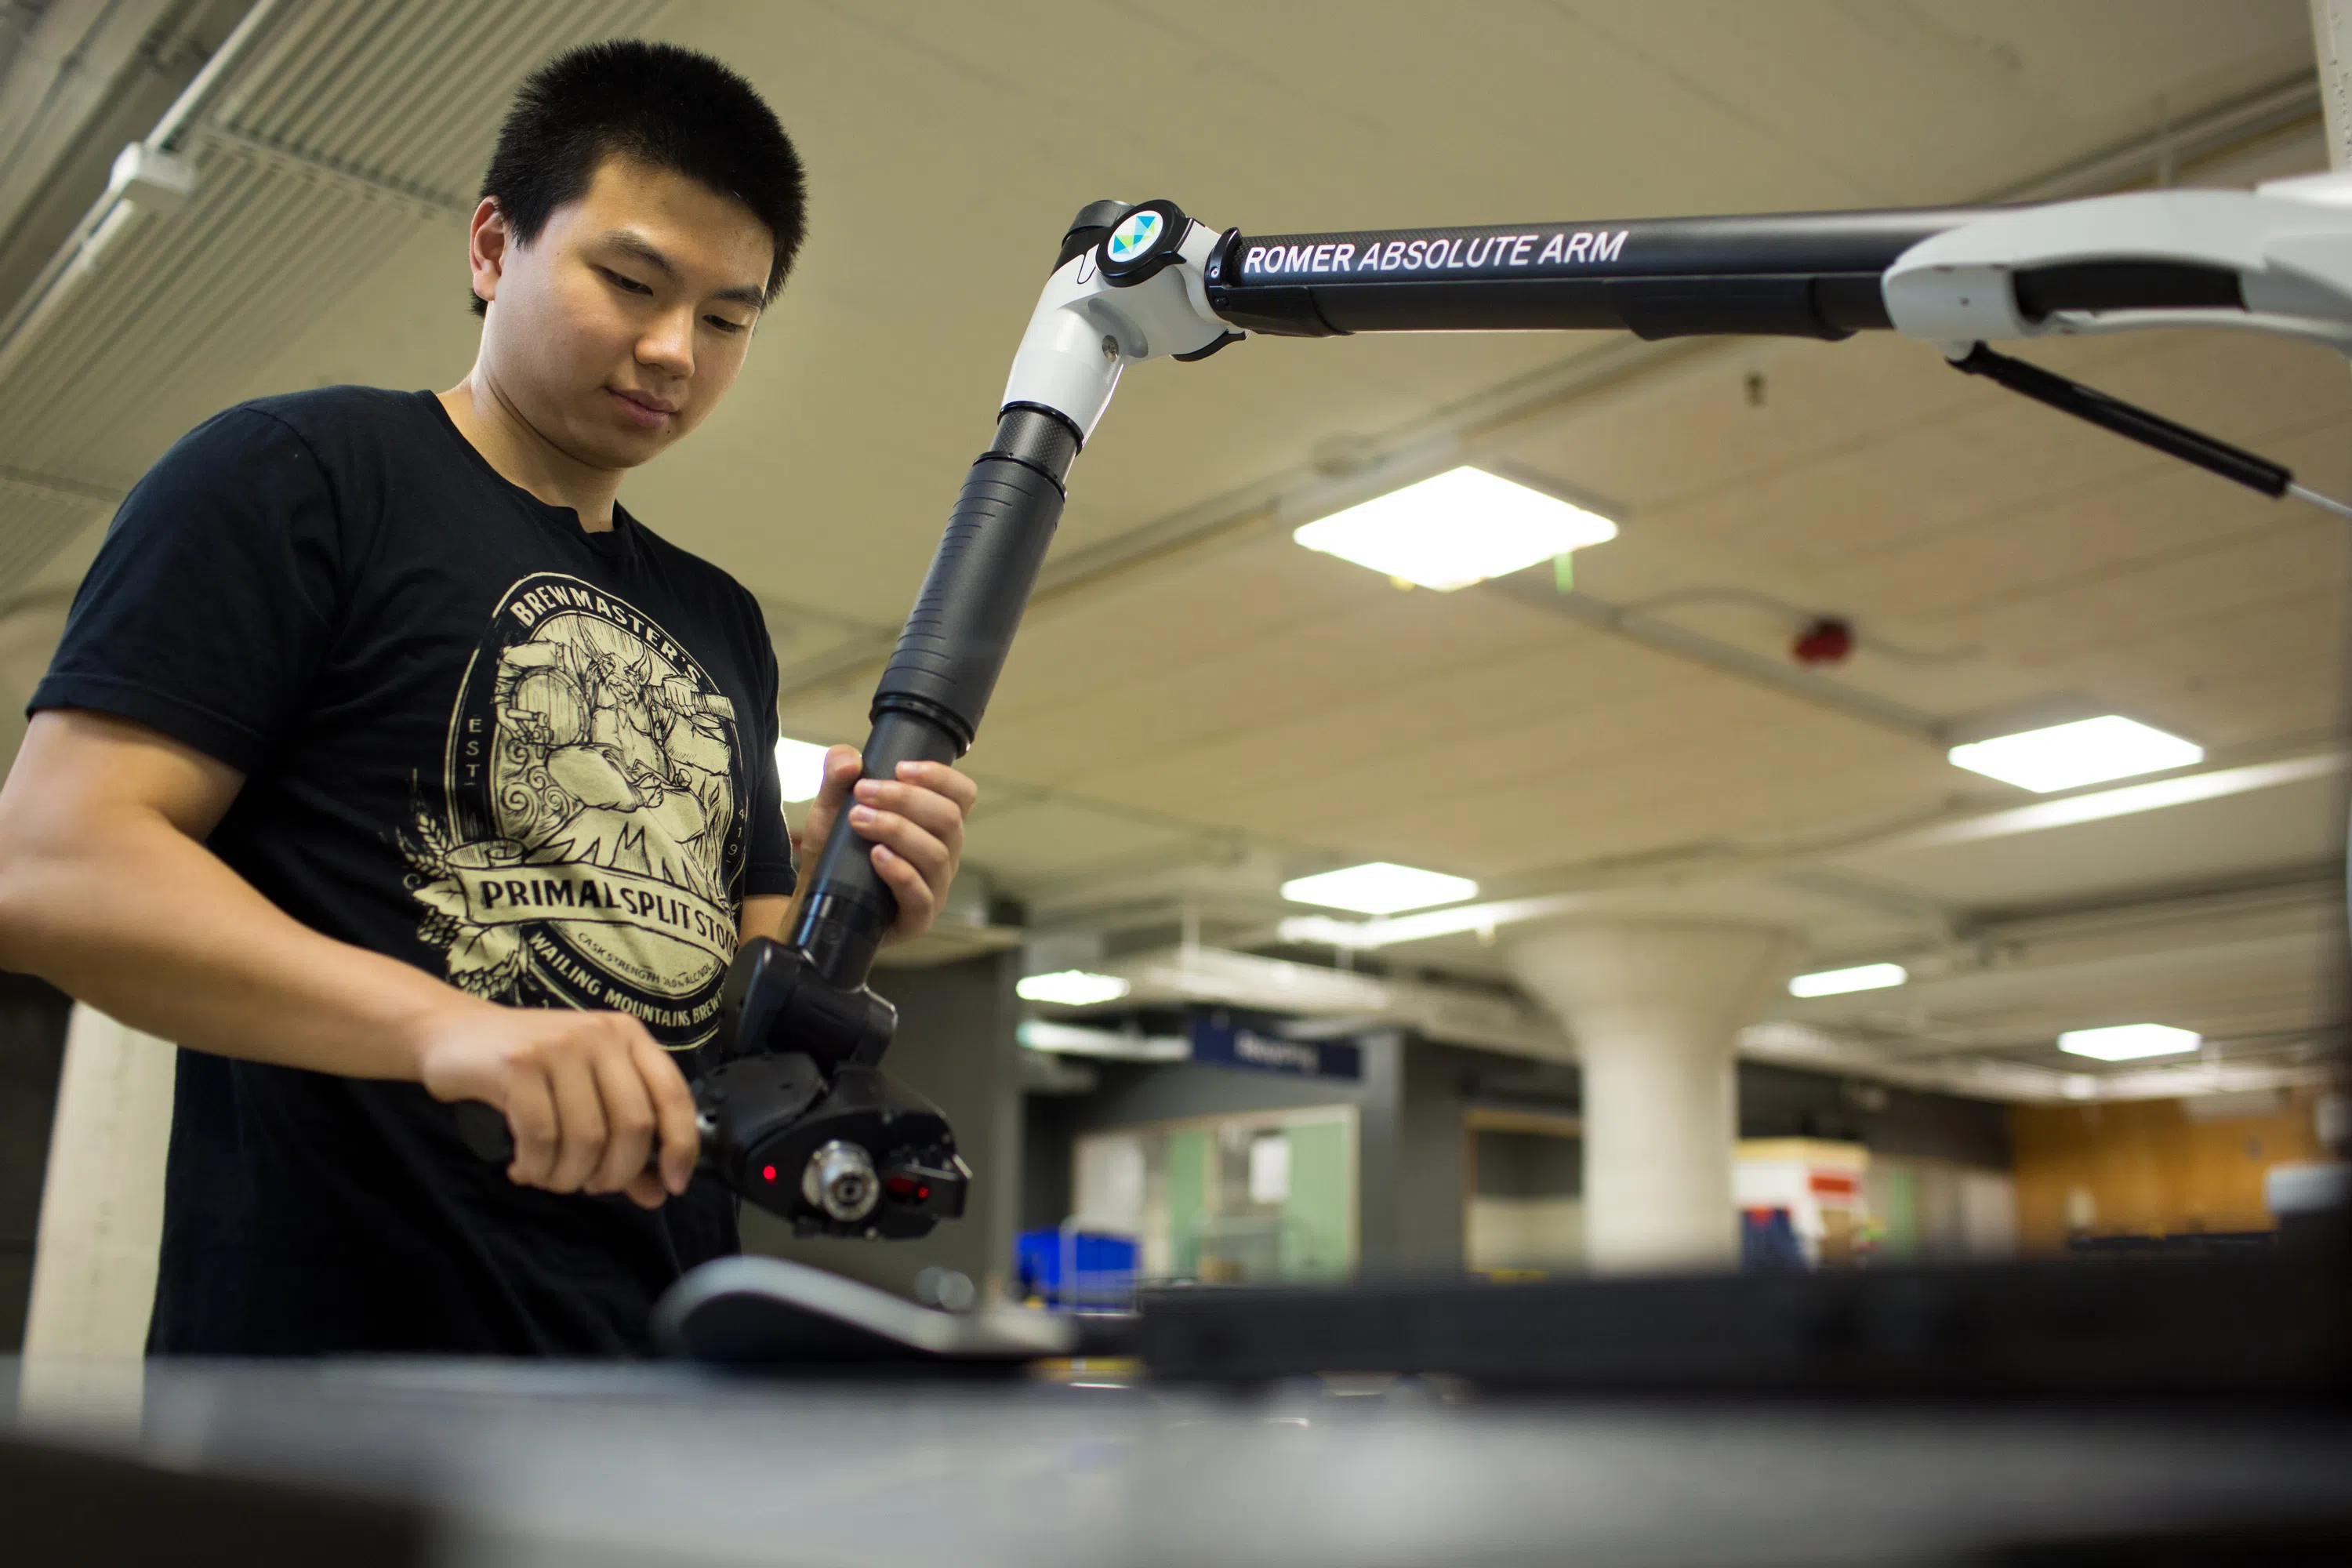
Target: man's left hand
point(914, 823)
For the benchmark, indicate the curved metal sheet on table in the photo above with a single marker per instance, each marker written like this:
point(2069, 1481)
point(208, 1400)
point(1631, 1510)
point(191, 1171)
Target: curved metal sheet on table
point(771, 1314)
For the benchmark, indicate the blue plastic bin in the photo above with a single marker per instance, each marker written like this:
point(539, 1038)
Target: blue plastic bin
point(1100, 1266)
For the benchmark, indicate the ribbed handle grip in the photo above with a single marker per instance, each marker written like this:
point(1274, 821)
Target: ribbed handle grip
point(955, 641)
point(929, 704)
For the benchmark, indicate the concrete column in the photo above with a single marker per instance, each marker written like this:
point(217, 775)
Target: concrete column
point(2331, 41)
point(103, 1200)
point(1655, 1011)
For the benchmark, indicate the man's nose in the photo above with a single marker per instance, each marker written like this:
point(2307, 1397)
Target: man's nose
point(667, 345)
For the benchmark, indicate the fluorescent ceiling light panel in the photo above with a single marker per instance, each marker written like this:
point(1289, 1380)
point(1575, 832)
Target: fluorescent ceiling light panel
point(2129, 1042)
point(1071, 988)
point(2089, 750)
point(1838, 981)
point(1379, 888)
point(800, 768)
point(1461, 527)
point(1070, 1039)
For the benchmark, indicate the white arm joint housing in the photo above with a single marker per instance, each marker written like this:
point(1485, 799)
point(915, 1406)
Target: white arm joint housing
point(1086, 329)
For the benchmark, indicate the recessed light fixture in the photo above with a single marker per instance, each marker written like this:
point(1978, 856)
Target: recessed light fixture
point(2088, 750)
point(1379, 888)
point(1838, 981)
point(1072, 1039)
point(2129, 1042)
point(1461, 527)
point(1071, 988)
point(800, 768)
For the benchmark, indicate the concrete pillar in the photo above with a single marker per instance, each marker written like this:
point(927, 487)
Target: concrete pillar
point(1656, 1010)
point(103, 1200)
point(2331, 42)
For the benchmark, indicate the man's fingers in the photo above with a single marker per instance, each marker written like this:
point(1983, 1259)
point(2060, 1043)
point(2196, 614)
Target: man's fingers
point(580, 1108)
point(934, 859)
point(941, 779)
point(842, 766)
point(531, 1118)
point(928, 809)
point(917, 902)
point(628, 1120)
point(673, 1106)
point(646, 1190)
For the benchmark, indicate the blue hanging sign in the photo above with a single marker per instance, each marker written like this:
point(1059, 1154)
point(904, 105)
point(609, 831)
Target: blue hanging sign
point(1226, 1044)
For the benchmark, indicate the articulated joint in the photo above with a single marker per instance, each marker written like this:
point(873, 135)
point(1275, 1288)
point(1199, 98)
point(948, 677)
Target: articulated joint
point(1128, 289)
point(779, 999)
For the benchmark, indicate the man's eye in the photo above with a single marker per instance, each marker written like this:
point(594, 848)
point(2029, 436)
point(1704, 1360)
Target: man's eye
point(724, 325)
point(618, 281)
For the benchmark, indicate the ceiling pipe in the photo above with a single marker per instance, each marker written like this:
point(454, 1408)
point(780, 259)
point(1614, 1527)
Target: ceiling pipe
point(150, 174)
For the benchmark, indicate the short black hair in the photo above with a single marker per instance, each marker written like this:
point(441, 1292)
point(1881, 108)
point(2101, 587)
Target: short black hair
point(658, 103)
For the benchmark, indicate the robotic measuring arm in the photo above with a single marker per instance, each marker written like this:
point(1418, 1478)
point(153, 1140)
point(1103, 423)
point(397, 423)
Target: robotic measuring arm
point(799, 1118)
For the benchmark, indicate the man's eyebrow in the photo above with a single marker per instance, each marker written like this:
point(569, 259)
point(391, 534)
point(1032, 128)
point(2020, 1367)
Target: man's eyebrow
point(636, 247)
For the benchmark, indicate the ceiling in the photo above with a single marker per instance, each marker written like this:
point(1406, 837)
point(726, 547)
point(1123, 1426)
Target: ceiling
point(1198, 709)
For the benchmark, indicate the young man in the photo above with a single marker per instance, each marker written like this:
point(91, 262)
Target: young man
point(387, 763)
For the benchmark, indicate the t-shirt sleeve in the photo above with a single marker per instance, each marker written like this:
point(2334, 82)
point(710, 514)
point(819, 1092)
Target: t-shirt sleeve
point(769, 866)
point(207, 612)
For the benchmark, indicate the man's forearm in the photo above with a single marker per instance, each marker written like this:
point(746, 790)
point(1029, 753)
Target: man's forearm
point(149, 926)
point(106, 887)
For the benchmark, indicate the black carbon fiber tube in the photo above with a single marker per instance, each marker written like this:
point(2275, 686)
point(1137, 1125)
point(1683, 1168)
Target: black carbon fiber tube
point(1802, 274)
point(929, 704)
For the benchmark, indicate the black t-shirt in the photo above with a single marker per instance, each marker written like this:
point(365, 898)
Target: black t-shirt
point(531, 760)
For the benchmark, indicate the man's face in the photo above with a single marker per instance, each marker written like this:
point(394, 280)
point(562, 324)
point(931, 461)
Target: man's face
point(617, 330)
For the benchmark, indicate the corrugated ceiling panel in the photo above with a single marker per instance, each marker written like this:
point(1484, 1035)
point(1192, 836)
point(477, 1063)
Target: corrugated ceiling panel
point(35, 519)
point(340, 128)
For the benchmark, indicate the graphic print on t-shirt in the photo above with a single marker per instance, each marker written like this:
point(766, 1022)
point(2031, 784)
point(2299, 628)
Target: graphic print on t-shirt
point(593, 777)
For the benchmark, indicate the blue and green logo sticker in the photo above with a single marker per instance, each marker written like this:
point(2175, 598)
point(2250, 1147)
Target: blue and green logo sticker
point(1134, 235)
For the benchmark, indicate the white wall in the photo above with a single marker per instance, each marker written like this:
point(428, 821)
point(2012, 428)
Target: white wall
point(1522, 1232)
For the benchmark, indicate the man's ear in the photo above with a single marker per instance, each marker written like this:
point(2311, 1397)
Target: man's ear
point(487, 239)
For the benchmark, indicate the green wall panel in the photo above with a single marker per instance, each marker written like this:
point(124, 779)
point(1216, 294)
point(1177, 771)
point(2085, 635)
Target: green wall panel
point(1188, 1198)
point(1316, 1217)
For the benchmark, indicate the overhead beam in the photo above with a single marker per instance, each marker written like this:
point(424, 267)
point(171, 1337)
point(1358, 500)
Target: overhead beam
point(1583, 890)
point(1988, 1077)
point(1456, 1015)
point(58, 485)
point(2098, 806)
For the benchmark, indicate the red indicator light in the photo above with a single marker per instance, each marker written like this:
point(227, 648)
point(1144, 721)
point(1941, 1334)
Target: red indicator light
point(766, 1173)
point(922, 1194)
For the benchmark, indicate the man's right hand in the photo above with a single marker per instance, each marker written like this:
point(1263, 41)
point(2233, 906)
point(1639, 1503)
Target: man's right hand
point(587, 1095)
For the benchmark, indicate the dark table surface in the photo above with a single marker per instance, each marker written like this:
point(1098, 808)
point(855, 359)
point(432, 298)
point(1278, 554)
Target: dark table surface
point(589, 1464)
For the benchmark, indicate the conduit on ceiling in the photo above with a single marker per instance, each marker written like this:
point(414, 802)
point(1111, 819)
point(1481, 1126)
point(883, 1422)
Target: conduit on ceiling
point(321, 137)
